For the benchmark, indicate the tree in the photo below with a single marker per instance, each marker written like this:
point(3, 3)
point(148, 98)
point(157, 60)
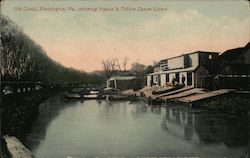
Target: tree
point(124, 63)
point(109, 67)
point(138, 69)
point(113, 67)
point(149, 69)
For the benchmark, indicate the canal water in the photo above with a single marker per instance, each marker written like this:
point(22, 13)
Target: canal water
point(99, 128)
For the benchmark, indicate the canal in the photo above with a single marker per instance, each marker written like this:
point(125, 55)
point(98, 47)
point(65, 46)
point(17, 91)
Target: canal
point(91, 128)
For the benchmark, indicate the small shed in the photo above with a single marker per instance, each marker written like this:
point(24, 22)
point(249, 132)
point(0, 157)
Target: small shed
point(123, 82)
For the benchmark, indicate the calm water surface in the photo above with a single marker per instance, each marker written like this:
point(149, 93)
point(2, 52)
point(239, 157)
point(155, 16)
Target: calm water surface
point(132, 129)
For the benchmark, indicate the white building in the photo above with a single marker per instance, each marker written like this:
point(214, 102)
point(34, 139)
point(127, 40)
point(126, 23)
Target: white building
point(191, 68)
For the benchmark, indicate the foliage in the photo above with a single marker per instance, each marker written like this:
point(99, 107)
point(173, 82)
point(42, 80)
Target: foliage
point(112, 67)
point(138, 69)
point(149, 69)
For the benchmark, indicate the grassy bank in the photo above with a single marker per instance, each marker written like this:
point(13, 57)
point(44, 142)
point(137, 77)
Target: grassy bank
point(231, 103)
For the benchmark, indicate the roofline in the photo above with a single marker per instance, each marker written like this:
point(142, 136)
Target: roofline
point(122, 77)
point(190, 53)
point(231, 50)
point(173, 71)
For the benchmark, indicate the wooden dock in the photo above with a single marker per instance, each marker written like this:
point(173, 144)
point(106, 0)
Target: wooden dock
point(163, 90)
point(16, 148)
point(186, 94)
point(199, 97)
point(172, 92)
point(147, 91)
point(190, 92)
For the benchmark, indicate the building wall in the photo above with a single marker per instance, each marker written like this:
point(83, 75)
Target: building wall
point(176, 63)
point(192, 78)
point(248, 56)
point(157, 80)
point(123, 84)
point(156, 69)
point(210, 61)
point(171, 77)
point(234, 82)
point(194, 59)
point(188, 60)
point(149, 77)
point(126, 84)
point(199, 77)
point(163, 79)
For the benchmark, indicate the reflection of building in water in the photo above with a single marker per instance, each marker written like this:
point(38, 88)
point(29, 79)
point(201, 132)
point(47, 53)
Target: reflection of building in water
point(156, 109)
point(204, 128)
point(178, 122)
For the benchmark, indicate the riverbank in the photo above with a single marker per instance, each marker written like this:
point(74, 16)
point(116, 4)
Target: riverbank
point(222, 100)
point(18, 111)
point(16, 149)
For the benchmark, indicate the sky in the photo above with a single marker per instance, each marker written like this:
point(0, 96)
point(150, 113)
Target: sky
point(82, 39)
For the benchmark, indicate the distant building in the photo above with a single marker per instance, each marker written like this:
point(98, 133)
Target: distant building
point(124, 82)
point(235, 68)
point(239, 55)
point(191, 69)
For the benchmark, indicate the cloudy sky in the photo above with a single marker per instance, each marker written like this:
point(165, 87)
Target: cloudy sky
point(82, 39)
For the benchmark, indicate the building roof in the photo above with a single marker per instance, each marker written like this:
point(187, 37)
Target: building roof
point(189, 54)
point(232, 53)
point(157, 64)
point(173, 71)
point(122, 78)
point(247, 47)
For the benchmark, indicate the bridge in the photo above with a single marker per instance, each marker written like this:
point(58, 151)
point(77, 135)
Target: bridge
point(13, 87)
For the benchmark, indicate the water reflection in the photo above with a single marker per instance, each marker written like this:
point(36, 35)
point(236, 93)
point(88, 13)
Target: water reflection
point(207, 127)
point(103, 128)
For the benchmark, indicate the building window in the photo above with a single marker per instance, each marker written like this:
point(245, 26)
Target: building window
point(210, 56)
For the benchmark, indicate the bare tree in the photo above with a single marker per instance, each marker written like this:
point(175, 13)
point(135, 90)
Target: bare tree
point(124, 63)
point(118, 64)
point(111, 67)
point(106, 67)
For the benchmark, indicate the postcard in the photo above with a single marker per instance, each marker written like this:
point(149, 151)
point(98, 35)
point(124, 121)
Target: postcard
point(125, 78)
